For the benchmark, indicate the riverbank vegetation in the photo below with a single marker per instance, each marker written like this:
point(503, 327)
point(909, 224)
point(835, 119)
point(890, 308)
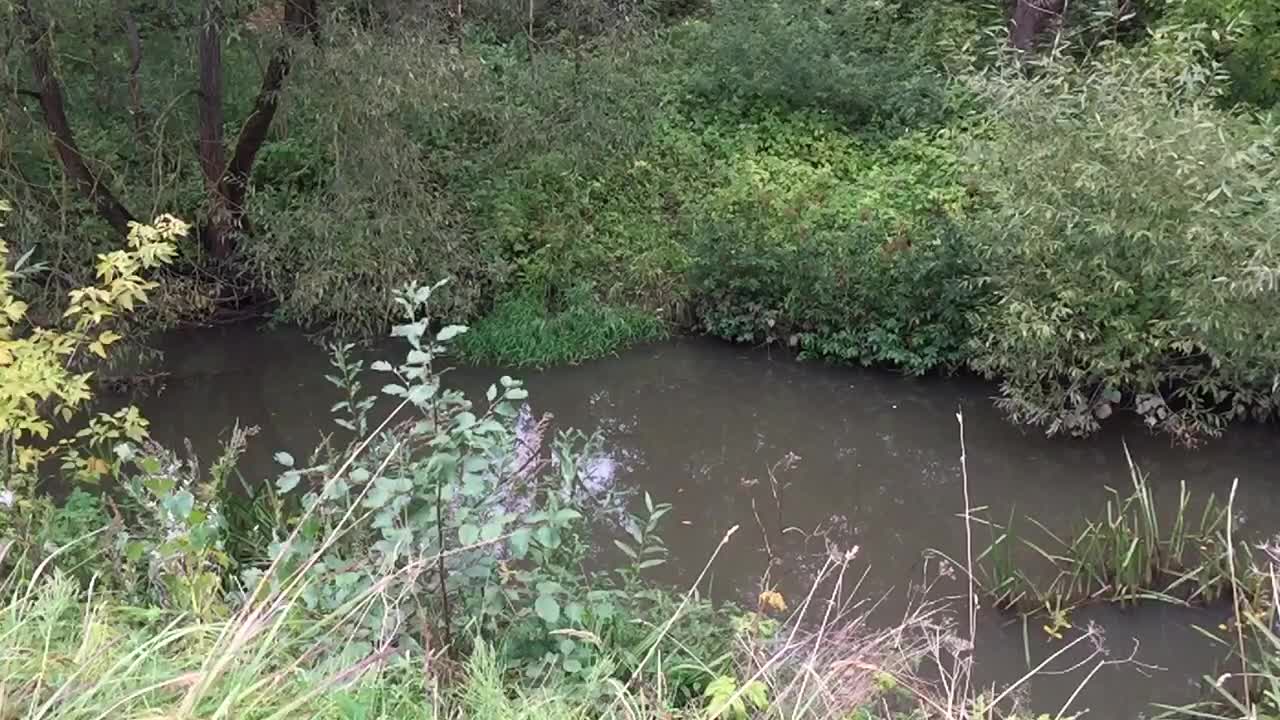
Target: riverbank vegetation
point(443, 557)
point(1136, 554)
point(1083, 208)
point(434, 561)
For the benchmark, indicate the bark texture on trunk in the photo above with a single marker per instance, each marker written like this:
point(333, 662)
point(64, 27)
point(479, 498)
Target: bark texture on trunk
point(53, 107)
point(1030, 18)
point(217, 231)
point(301, 18)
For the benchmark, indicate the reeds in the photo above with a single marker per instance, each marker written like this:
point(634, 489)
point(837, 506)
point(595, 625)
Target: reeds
point(1124, 555)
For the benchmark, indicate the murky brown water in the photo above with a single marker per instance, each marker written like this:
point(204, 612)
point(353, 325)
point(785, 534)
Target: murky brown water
point(698, 423)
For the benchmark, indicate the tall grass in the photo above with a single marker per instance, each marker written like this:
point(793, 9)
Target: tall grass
point(523, 330)
point(67, 651)
point(1253, 691)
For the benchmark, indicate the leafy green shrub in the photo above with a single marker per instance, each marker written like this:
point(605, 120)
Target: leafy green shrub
point(839, 294)
point(41, 378)
point(32, 527)
point(1246, 35)
point(1131, 242)
point(837, 57)
point(453, 519)
point(560, 171)
point(351, 208)
point(479, 166)
point(834, 246)
point(559, 21)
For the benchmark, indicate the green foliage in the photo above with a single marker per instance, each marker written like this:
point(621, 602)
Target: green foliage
point(872, 183)
point(349, 204)
point(1245, 34)
point(1131, 243)
point(39, 380)
point(841, 248)
point(454, 521)
point(725, 699)
point(522, 331)
point(839, 58)
point(33, 526)
point(170, 548)
point(567, 22)
point(482, 167)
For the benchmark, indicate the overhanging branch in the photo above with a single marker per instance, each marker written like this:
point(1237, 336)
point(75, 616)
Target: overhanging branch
point(53, 106)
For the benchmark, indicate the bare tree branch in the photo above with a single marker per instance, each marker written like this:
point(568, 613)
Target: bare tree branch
point(53, 106)
point(11, 90)
point(301, 17)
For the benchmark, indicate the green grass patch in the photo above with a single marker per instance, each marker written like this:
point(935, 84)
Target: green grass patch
point(527, 328)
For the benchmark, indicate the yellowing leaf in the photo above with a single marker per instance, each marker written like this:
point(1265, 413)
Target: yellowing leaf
point(772, 600)
point(15, 310)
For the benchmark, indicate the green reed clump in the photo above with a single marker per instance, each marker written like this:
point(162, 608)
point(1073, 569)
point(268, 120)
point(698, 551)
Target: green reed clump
point(1002, 579)
point(1121, 556)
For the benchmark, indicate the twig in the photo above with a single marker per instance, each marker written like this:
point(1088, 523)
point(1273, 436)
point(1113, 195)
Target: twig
point(1036, 670)
point(14, 90)
point(968, 534)
point(763, 532)
point(1235, 597)
point(1101, 664)
point(441, 570)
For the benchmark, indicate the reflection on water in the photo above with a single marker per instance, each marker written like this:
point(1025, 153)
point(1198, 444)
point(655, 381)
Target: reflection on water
point(799, 456)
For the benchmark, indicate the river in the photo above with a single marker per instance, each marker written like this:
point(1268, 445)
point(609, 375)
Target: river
point(874, 462)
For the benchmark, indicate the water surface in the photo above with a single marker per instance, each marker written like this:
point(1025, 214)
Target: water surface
point(866, 458)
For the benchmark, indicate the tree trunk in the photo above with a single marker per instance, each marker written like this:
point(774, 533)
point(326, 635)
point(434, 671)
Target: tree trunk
point(136, 111)
point(217, 230)
point(301, 18)
point(53, 107)
point(1030, 17)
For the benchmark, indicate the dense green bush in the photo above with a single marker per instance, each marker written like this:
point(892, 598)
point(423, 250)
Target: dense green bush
point(1246, 35)
point(1131, 242)
point(838, 57)
point(544, 21)
point(477, 166)
point(842, 249)
point(840, 295)
point(523, 330)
